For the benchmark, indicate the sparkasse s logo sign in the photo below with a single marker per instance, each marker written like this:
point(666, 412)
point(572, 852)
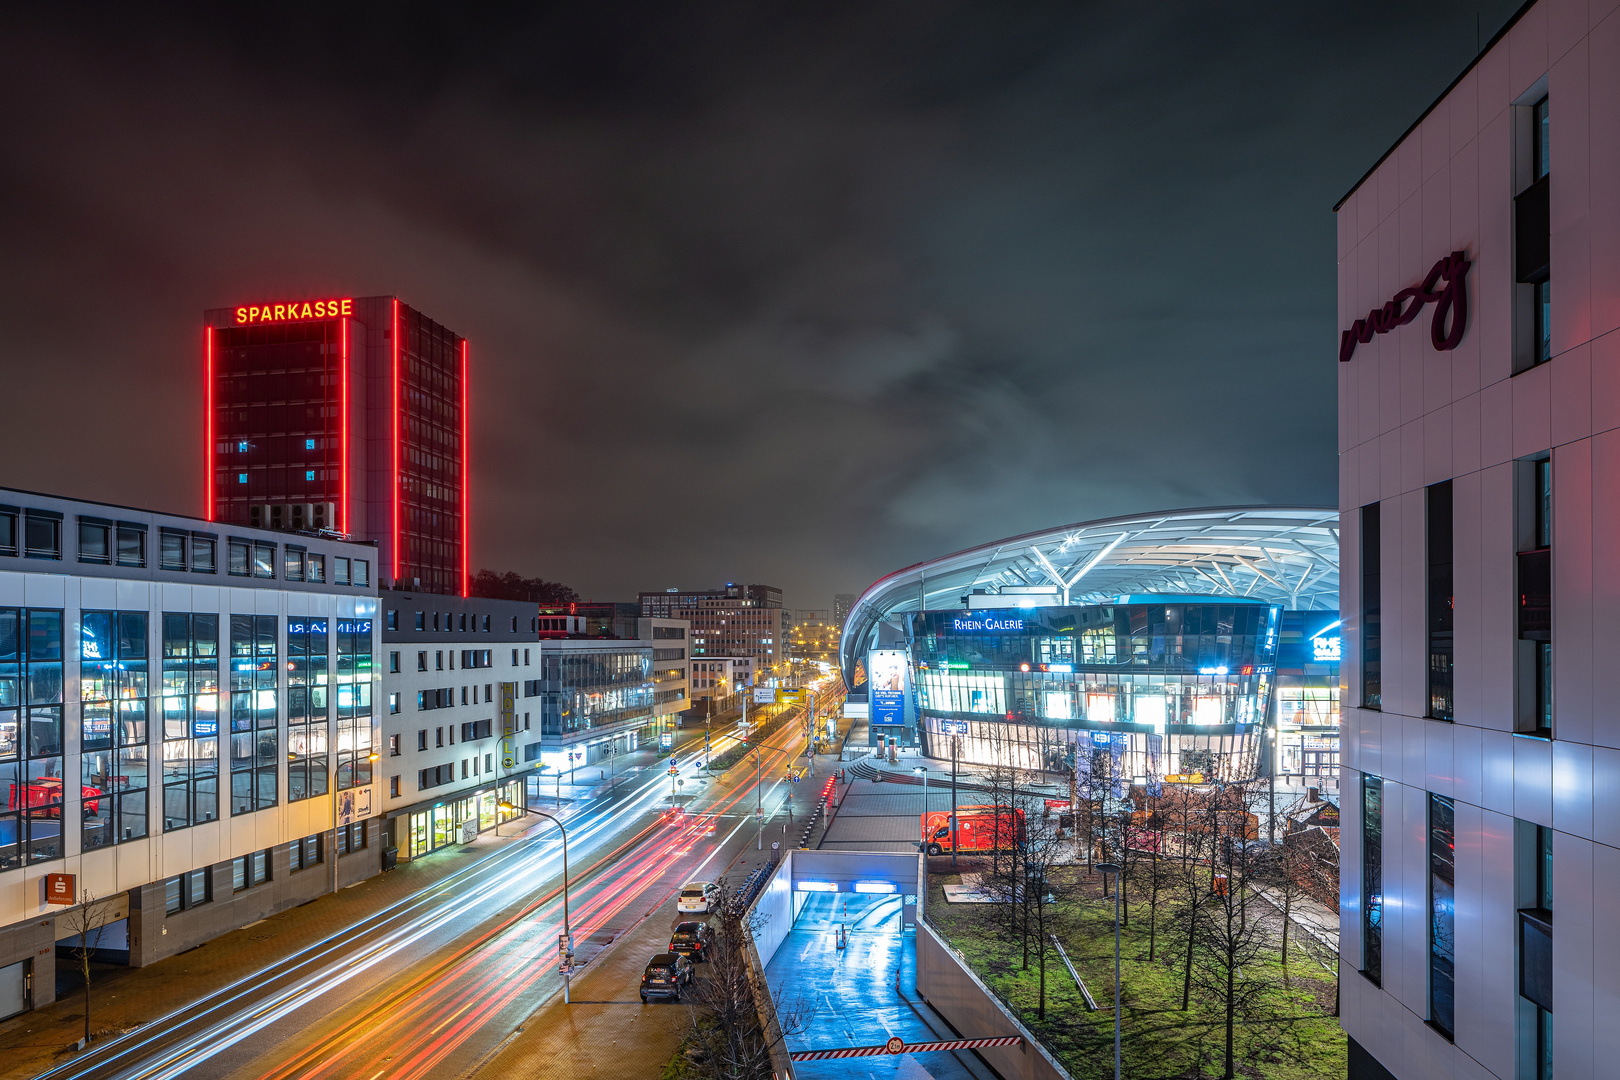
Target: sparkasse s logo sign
point(305, 309)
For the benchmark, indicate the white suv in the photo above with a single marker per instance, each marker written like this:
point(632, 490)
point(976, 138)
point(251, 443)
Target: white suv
point(698, 896)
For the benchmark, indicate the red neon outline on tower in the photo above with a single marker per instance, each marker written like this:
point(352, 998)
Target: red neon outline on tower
point(343, 328)
point(466, 468)
point(396, 439)
point(208, 421)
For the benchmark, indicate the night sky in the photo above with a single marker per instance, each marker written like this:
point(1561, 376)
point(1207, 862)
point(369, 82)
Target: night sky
point(788, 293)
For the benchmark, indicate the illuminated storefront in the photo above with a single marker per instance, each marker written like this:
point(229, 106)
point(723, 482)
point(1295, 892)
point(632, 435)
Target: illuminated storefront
point(1306, 710)
point(456, 819)
point(1174, 685)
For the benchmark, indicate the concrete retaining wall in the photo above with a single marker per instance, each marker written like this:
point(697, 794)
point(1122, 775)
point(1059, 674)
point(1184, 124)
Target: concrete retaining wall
point(774, 909)
point(944, 980)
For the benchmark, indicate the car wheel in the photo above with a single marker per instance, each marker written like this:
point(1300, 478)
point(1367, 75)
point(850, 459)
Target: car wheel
point(644, 999)
point(935, 849)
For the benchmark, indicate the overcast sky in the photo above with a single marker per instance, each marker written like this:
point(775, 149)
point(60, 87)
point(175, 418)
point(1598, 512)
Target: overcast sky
point(787, 293)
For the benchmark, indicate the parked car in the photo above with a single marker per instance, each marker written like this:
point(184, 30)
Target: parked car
point(664, 976)
point(698, 897)
point(692, 939)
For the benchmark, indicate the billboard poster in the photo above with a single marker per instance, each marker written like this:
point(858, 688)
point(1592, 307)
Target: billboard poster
point(764, 695)
point(886, 678)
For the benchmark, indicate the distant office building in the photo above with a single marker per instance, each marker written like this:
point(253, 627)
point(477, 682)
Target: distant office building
point(714, 678)
point(813, 637)
point(843, 603)
point(342, 415)
point(452, 715)
point(733, 621)
point(238, 660)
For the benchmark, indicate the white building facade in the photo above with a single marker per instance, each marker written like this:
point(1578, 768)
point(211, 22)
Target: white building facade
point(186, 727)
point(1479, 394)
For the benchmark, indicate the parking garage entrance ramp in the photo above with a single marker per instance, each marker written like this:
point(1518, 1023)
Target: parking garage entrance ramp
point(848, 961)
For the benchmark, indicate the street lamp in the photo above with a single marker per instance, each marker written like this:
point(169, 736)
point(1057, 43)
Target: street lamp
point(1112, 868)
point(923, 770)
point(568, 933)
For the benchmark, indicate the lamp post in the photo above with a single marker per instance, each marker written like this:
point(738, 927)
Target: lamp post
point(759, 797)
point(923, 771)
point(568, 933)
point(956, 744)
point(1112, 868)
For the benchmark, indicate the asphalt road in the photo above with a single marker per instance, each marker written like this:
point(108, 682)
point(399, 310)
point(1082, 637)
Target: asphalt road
point(440, 982)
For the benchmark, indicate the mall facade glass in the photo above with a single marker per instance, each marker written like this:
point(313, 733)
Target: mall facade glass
point(1306, 703)
point(1173, 686)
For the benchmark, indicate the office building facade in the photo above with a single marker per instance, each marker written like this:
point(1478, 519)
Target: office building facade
point(186, 727)
point(344, 415)
point(1479, 395)
point(733, 621)
point(453, 716)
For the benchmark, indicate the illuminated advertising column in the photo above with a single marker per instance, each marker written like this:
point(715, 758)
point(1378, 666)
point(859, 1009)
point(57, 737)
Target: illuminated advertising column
point(890, 698)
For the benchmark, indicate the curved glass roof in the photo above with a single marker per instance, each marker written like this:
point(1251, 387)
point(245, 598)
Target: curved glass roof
point(1286, 555)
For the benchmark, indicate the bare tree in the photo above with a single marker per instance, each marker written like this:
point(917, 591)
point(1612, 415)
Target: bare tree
point(1227, 938)
point(1044, 891)
point(735, 1021)
point(87, 921)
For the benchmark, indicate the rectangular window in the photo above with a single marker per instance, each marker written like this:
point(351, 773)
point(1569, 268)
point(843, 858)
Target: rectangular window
point(8, 530)
point(42, 535)
point(240, 556)
point(362, 572)
point(421, 739)
point(476, 729)
point(1440, 600)
point(340, 571)
point(95, 541)
point(187, 891)
point(1532, 887)
point(250, 870)
point(1372, 687)
point(131, 544)
point(202, 554)
point(1532, 239)
point(438, 736)
point(1372, 877)
point(393, 663)
point(1442, 914)
point(292, 564)
point(171, 550)
point(393, 744)
point(393, 703)
point(421, 660)
point(1533, 714)
point(255, 664)
point(486, 623)
point(393, 619)
point(315, 568)
point(420, 621)
point(438, 660)
point(302, 854)
point(393, 787)
point(264, 559)
point(525, 657)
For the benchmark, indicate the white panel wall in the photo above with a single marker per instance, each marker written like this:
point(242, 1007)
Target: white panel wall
point(1411, 416)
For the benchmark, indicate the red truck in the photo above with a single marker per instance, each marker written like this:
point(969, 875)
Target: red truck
point(979, 829)
point(43, 797)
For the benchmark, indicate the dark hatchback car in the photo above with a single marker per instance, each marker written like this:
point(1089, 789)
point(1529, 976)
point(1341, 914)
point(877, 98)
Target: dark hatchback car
point(691, 938)
point(665, 975)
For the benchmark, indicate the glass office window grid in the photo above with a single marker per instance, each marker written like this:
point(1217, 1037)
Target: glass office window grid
point(190, 719)
point(308, 710)
point(354, 740)
point(31, 682)
point(277, 416)
point(255, 752)
point(114, 759)
point(1442, 914)
point(430, 453)
point(597, 690)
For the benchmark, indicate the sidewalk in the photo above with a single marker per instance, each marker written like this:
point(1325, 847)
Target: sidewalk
point(125, 998)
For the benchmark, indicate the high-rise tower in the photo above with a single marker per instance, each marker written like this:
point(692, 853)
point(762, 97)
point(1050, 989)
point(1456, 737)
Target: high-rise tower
point(345, 415)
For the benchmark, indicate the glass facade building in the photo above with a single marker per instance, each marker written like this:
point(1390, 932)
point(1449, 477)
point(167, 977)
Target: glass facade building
point(1175, 685)
point(344, 415)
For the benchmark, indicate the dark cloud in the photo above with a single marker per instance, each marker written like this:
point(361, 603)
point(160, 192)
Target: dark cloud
point(769, 292)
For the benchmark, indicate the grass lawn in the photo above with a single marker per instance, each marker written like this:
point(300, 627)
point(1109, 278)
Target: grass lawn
point(1293, 1036)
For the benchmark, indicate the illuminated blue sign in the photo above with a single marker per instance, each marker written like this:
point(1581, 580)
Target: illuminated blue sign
point(354, 626)
point(985, 624)
point(1325, 650)
point(306, 626)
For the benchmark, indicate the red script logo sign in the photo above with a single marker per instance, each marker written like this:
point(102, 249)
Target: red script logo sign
point(1450, 300)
